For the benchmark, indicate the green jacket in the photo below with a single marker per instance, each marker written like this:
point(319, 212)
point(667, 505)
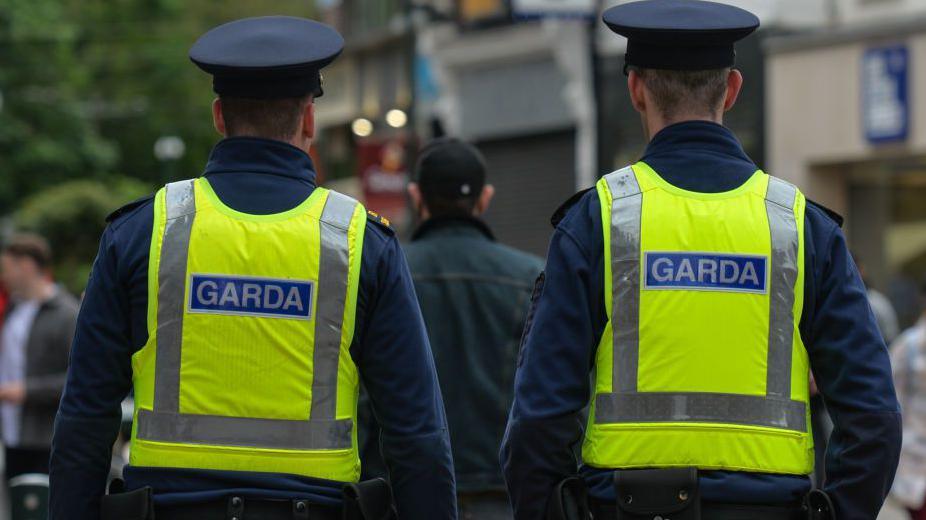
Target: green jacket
point(474, 295)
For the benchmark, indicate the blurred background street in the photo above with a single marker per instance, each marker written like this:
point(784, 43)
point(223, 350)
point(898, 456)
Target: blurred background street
point(99, 105)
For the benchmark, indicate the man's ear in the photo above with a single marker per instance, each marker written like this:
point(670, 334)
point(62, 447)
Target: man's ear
point(218, 118)
point(308, 121)
point(414, 193)
point(637, 88)
point(734, 87)
point(485, 198)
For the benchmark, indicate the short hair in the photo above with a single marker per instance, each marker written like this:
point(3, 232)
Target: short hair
point(689, 90)
point(268, 118)
point(443, 206)
point(29, 245)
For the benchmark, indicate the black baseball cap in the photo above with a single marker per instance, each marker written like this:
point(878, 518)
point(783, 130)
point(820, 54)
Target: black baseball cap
point(450, 168)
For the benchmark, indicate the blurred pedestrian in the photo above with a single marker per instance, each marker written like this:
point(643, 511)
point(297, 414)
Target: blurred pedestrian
point(881, 305)
point(244, 307)
point(474, 294)
point(34, 344)
point(908, 357)
point(697, 292)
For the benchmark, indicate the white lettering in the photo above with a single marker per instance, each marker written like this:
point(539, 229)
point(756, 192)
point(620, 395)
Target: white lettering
point(229, 296)
point(749, 274)
point(293, 299)
point(665, 275)
point(277, 293)
point(729, 271)
point(707, 268)
point(210, 297)
point(685, 271)
point(250, 291)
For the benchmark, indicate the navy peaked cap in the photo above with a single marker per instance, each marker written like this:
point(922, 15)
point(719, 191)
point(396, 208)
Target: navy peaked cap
point(680, 34)
point(267, 57)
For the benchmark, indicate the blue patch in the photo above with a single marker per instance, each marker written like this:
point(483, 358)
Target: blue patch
point(249, 296)
point(706, 272)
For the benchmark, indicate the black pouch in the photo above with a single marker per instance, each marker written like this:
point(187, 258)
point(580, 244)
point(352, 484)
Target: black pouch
point(644, 494)
point(569, 501)
point(369, 500)
point(131, 505)
point(819, 506)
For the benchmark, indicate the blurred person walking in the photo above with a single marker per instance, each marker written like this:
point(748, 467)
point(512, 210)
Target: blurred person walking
point(699, 292)
point(474, 294)
point(244, 307)
point(34, 343)
point(908, 358)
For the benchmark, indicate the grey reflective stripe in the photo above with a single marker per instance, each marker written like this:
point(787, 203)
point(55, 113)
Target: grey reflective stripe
point(626, 405)
point(626, 212)
point(779, 203)
point(333, 271)
point(244, 432)
point(180, 207)
point(653, 407)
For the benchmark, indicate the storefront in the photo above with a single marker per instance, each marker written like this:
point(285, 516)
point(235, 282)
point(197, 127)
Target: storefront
point(846, 124)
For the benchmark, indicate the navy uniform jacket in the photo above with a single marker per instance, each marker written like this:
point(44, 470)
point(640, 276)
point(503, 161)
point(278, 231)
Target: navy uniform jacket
point(390, 348)
point(847, 355)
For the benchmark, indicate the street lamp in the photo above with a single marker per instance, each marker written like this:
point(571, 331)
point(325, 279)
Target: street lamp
point(362, 127)
point(169, 148)
point(396, 118)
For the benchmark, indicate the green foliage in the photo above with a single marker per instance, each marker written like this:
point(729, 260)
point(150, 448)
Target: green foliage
point(72, 216)
point(86, 88)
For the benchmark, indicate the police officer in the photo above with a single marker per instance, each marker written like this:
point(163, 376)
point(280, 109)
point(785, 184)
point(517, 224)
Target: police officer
point(246, 306)
point(700, 291)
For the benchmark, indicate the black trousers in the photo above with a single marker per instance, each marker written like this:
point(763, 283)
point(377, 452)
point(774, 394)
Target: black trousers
point(20, 461)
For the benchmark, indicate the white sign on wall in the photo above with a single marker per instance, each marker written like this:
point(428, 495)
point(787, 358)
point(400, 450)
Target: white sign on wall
point(554, 8)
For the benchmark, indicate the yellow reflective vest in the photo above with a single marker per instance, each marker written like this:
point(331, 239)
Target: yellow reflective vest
point(250, 318)
point(701, 363)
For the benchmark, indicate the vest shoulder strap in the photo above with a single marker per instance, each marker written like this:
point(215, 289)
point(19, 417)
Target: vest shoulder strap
point(564, 208)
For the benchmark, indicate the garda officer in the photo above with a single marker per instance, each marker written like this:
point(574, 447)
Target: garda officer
point(700, 291)
point(246, 306)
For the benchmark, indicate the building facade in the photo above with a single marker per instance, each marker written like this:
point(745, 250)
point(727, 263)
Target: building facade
point(847, 125)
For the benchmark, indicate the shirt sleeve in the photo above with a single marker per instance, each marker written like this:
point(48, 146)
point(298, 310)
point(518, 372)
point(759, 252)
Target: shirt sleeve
point(552, 383)
point(853, 372)
point(395, 362)
point(99, 377)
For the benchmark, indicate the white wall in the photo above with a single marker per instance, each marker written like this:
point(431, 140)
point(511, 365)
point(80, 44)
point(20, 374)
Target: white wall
point(853, 12)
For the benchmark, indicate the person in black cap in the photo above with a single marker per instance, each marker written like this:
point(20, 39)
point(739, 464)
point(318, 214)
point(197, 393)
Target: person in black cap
point(246, 305)
point(473, 293)
point(699, 292)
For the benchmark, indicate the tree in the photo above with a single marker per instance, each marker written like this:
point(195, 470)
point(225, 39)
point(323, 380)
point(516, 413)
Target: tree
point(71, 216)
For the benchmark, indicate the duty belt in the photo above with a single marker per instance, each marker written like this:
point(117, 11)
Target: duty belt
point(238, 508)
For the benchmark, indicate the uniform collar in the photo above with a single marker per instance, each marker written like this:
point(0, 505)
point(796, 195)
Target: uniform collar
point(257, 155)
point(703, 136)
point(465, 226)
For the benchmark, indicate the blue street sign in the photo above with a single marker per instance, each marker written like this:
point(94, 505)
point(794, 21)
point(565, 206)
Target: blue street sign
point(885, 94)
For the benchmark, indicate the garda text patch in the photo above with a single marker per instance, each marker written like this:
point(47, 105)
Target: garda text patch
point(705, 272)
point(250, 296)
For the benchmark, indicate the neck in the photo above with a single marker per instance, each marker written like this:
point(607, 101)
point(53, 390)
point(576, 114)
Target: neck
point(654, 123)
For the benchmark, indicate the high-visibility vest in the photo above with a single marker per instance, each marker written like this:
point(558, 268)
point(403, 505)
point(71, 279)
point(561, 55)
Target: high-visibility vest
point(250, 319)
point(701, 363)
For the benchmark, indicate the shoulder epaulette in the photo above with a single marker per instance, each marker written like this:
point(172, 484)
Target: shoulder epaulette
point(561, 211)
point(837, 218)
point(128, 207)
point(380, 220)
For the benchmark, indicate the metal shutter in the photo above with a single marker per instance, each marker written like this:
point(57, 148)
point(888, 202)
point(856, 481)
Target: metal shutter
point(532, 175)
